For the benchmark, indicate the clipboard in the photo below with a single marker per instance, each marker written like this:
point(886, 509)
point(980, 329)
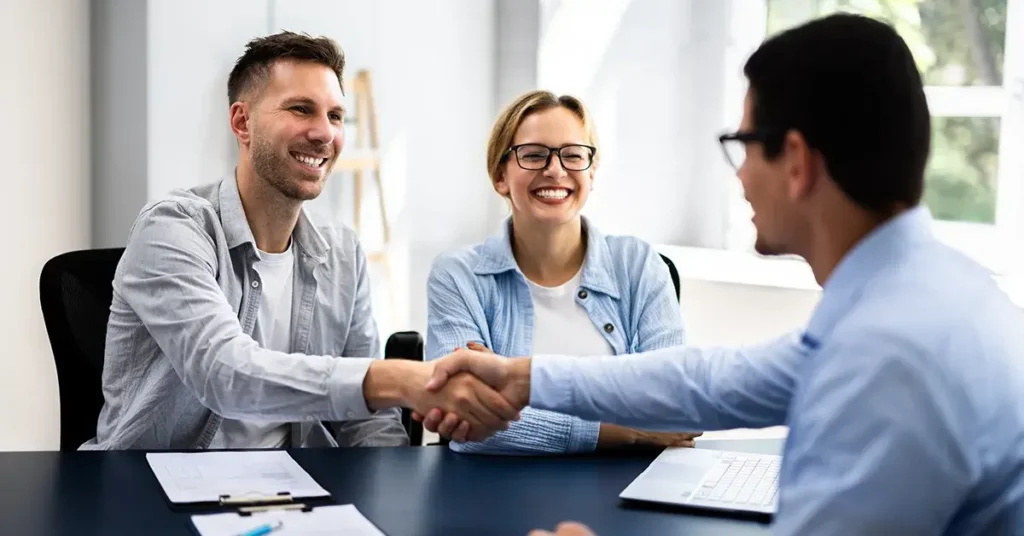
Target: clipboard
point(229, 480)
point(248, 504)
point(342, 519)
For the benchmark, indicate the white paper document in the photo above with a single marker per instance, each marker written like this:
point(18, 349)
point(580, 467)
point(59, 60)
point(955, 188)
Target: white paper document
point(320, 521)
point(193, 477)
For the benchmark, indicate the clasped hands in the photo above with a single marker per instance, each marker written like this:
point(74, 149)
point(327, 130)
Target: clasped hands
point(485, 392)
point(472, 394)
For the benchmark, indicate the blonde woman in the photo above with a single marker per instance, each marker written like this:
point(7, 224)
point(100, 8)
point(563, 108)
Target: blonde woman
point(551, 283)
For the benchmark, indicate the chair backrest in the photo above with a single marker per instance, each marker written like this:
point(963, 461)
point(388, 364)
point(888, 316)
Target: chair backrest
point(407, 345)
point(75, 291)
point(673, 272)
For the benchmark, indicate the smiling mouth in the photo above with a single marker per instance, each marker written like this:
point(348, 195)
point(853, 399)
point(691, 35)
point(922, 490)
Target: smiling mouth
point(551, 194)
point(312, 162)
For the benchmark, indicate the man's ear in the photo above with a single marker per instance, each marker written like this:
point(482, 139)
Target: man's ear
point(801, 165)
point(240, 122)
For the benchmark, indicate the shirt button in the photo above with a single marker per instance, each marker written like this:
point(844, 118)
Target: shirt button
point(255, 284)
point(582, 294)
point(350, 414)
point(608, 328)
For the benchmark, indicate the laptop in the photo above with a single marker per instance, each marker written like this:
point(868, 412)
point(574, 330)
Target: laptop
point(710, 479)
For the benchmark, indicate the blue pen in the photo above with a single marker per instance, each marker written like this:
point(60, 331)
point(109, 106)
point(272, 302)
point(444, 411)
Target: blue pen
point(262, 529)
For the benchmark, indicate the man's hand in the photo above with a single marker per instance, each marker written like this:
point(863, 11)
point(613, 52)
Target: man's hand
point(480, 409)
point(510, 377)
point(565, 529)
point(613, 436)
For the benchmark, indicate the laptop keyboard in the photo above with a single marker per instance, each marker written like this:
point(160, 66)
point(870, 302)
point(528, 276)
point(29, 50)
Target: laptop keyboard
point(741, 480)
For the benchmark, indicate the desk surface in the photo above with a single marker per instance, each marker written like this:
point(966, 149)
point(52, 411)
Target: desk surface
point(404, 491)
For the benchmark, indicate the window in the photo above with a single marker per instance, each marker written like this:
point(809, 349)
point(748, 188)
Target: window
point(971, 55)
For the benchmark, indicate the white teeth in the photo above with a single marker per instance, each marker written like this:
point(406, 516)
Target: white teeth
point(309, 160)
point(552, 193)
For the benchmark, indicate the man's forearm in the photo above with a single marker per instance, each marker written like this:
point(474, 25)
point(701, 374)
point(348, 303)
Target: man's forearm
point(674, 388)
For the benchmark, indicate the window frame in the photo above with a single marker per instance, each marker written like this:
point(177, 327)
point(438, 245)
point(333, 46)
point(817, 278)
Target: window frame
point(998, 246)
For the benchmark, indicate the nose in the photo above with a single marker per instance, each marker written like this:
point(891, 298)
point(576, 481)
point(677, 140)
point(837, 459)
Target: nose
point(554, 167)
point(321, 130)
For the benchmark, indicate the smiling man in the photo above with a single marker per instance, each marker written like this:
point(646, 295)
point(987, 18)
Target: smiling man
point(237, 322)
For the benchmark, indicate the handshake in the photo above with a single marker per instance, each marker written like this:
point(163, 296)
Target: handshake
point(471, 394)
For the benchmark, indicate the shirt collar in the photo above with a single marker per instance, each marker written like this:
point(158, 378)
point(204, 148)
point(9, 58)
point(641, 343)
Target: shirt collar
point(876, 251)
point(496, 257)
point(237, 231)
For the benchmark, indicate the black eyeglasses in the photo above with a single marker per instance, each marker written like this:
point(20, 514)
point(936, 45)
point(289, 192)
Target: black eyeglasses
point(535, 157)
point(734, 145)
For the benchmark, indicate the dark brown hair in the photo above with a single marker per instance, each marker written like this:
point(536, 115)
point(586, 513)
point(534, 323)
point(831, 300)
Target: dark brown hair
point(850, 86)
point(252, 70)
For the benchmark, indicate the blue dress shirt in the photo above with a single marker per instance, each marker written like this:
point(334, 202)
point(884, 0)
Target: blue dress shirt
point(904, 396)
point(479, 294)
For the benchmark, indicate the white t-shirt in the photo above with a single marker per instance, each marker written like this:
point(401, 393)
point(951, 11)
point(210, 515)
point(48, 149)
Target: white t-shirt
point(561, 326)
point(272, 331)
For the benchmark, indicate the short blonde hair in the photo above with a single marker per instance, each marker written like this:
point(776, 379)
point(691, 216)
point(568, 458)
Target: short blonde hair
point(527, 104)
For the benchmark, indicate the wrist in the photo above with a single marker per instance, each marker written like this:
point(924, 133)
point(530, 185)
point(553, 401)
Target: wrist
point(519, 380)
point(389, 383)
point(615, 436)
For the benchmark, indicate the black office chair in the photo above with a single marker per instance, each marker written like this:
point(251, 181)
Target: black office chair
point(672, 273)
point(407, 345)
point(75, 293)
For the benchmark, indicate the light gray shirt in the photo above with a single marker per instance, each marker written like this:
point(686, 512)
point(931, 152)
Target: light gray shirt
point(180, 355)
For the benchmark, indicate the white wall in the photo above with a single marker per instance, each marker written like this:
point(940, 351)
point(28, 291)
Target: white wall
point(651, 72)
point(732, 298)
point(191, 47)
point(45, 150)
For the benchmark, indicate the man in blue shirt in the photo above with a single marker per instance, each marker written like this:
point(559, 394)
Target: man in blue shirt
point(905, 394)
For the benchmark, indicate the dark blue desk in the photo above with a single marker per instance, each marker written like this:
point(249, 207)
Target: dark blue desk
point(404, 491)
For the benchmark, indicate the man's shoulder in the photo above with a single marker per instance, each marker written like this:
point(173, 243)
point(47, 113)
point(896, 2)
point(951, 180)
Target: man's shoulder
point(931, 308)
point(937, 287)
point(184, 201)
point(179, 207)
